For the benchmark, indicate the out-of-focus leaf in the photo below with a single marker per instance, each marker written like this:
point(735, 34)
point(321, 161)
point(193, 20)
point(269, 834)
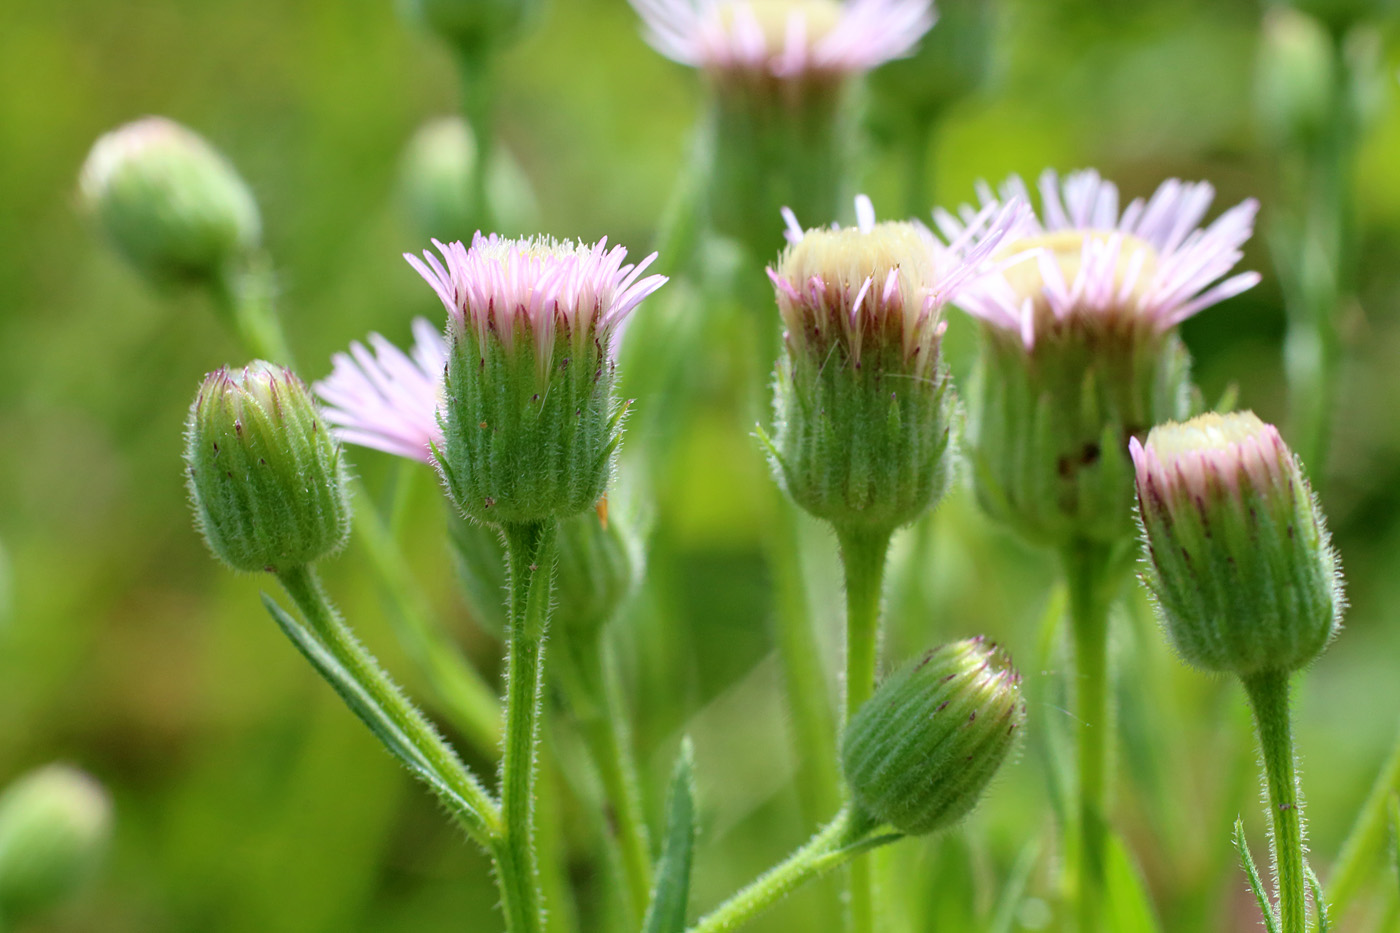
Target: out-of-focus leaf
point(1128, 906)
point(1014, 890)
point(670, 894)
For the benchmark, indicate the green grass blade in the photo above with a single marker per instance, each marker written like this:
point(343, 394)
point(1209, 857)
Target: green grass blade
point(670, 895)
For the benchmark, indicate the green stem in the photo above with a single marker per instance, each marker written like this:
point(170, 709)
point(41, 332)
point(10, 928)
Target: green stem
point(304, 588)
point(840, 841)
point(863, 554)
point(243, 296)
point(808, 695)
point(530, 558)
point(1268, 697)
point(596, 700)
point(918, 147)
point(1086, 576)
point(461, 694)
point(478, 106)
point(1364, 843)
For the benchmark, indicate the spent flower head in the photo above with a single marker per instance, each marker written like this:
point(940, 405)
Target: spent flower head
point(1237, 555)
point(921, 751)
point(169, 202)
point(862, 401)
point(266, 478)
point(529, 418)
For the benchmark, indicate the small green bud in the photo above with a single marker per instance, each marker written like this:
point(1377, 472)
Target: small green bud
point(921, 751)
point(863, 404)
point(266, 477)
point(596, 571)
point(168, 201)
point(54, 825)
point(530, 419)
point(474, 25)
point(436, 183)
point(1238, 559)
point(1296, 77)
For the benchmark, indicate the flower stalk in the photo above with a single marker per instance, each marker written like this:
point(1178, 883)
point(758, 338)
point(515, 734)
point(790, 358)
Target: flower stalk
point(1268, 699)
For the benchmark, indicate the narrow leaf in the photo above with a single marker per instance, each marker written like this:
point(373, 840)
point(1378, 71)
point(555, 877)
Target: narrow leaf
point(1255, 885)
point(1013, 892)
point(1129, 908)
point(373, 715)
point(1324, 924)
point(1395, 834)
point(670, 895)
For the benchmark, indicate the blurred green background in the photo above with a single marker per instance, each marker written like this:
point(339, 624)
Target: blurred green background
point(249, 799)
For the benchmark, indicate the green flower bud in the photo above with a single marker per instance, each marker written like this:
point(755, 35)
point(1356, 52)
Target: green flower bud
point(863, 405)
point(921, 751)
point(474, 25)
point(54, 825)
point(1296, 77)
point(1238, 559)
point(168, 201)
point(1080, 351)
point(530, 420)
point(596, 571)
point(436, 183)
point(266, 478)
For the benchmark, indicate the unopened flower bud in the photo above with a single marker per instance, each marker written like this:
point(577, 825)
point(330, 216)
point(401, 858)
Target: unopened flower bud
point(921, 751)
point(266, 477)
point(436, 183)
point(1296, 75)
point(54, 825)
point(530, 419)
point(1080, 350)
point(1238, 558)
point(474, 26)
point(168, 201)
point(596, 571)
point(863, 405)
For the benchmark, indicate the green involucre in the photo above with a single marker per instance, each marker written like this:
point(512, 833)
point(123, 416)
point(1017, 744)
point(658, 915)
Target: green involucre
point(525, 442)
point(921, 751)
point(1049, 426)
point(1245, 580)
point(266, 478)
point(863, 446)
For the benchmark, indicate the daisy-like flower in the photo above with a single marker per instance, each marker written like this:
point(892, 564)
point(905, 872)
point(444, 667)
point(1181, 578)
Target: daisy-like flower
point(381, 397)
point(785, 39)
point(529, 418)
point(862, 399)
point(1080, 351)
point(1085, 263)
point(1237, 556)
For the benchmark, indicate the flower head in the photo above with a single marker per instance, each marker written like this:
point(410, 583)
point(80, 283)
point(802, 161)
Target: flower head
point(785, 39)
point(381, 397)
point(530, 422)
point(921, 751)
point(878, 286)
point(1083, 263)
point(1238, 558)
point(55, 823)
point(537, 290)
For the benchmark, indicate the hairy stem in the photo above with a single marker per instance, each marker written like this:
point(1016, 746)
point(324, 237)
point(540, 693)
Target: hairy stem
point(1268, 697)
point(530, 558)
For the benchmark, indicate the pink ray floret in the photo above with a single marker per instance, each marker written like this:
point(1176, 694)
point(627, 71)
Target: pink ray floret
point(381, 397)
point(818, 37)
point(1183, 272)
point(538, 288)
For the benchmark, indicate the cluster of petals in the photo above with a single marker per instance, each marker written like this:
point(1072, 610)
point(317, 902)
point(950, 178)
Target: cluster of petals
point(1195, 461)
point(1116, 275)
point(903, 278)
point(539, 287)
point(380, 397)
point(727, 36)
